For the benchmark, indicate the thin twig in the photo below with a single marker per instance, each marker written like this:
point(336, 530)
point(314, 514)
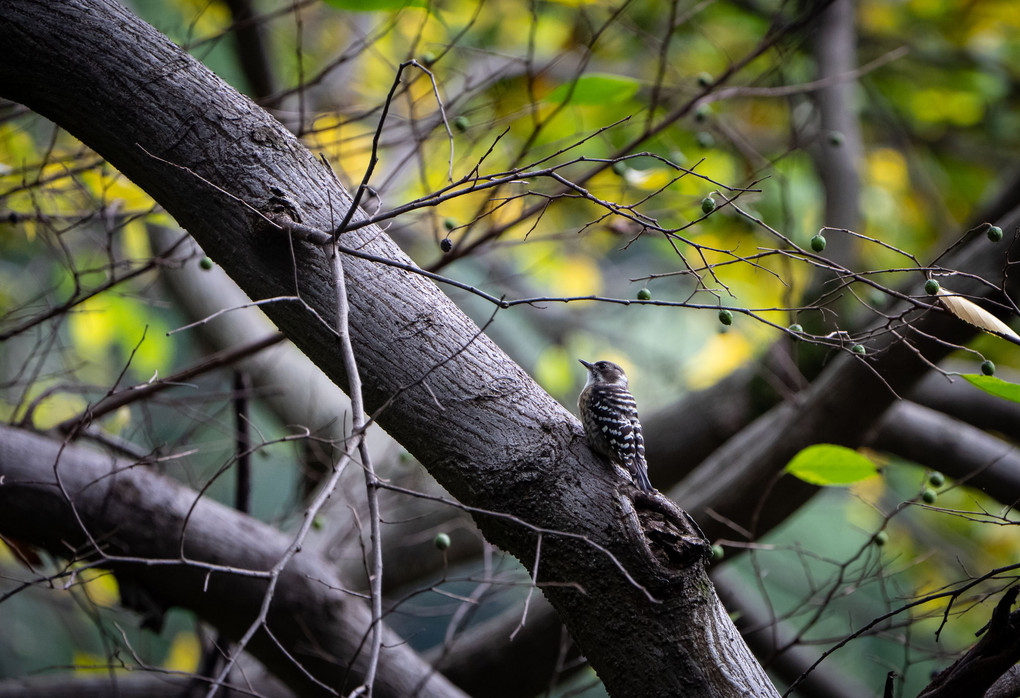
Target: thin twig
point(371, 480)
point(529, 526)
point(115, 400)
point(274, 574)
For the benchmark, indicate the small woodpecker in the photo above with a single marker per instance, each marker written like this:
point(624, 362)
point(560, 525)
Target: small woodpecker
point(610, 418)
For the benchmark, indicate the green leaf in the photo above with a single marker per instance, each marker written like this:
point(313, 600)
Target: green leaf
point(373, 5)
point(994, 386)
point(595, 88)
point(826, 464)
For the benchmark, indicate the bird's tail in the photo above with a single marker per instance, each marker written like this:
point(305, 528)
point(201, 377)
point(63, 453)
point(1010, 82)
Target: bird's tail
point(641, 478)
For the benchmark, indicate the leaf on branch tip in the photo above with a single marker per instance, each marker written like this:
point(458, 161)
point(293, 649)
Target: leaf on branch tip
point(974, 314)
point(994, 386)
point(828, 464)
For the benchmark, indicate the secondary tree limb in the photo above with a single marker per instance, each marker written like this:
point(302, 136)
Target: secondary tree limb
point(195, 553)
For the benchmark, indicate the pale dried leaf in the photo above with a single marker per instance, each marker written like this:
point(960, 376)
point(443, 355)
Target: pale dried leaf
point(974, 314)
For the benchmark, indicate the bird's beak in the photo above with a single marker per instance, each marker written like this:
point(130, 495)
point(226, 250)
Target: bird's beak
point(586, 364)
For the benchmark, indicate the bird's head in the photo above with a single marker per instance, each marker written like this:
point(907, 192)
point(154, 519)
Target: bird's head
point(604, 372)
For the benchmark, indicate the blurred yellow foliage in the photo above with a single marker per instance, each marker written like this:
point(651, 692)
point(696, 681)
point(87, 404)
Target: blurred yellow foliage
point(184, 654)
point(570, 275)
point(109, 186)
point(719, 356)
point(89, 663)
point(104, 323)
point(347, 145)
point(555, 370)
point(887, 168)
point(873, 488)
point(879, 16)
point(136, 240)
point(100, 585)
point(940, 105)
point(207, 18)
point(54, 408)
point(7, 556)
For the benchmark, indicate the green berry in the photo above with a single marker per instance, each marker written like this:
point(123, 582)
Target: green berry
point(988, 368)
point(442, 541)
point(796, 328)
point(717, 552)
point(725, 317)
point(881, 538)
point(428, 58)
point(702, 113)
point(708, 204)
point(205, 263)
point(835, 139)
point(936, 479)
point(644, 295)
point(620, 168)
point(318, 523)
point(929, 495)
point(461, 123)
point(449, 223)
point(931, 287)
point(446, 244)
point(818, 243)
point(859, 349)
point(704, 80)
point(994, 233)
point(704, 139)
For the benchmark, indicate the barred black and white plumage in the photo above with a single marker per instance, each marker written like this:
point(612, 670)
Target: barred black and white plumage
point(610, 418)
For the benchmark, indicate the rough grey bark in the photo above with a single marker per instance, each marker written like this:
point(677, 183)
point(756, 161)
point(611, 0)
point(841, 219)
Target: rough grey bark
point(132, 511)
point(482, 427)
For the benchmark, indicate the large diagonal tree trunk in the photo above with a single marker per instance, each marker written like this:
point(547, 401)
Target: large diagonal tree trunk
point(222, 166)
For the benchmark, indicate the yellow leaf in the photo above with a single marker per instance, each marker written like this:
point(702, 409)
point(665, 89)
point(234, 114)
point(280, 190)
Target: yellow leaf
point(974, 314)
